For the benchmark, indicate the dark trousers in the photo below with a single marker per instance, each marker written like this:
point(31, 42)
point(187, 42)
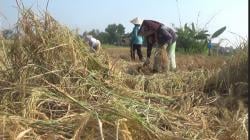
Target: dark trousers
point(136, 47)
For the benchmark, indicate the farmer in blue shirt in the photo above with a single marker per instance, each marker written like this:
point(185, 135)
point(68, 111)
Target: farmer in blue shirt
point(209, 47)
point(136, 40)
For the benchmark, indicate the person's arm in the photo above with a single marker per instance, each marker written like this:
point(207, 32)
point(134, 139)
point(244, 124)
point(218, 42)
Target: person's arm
point(150, 42)
point(149, 49)
point(166, 35)
point(133, 35)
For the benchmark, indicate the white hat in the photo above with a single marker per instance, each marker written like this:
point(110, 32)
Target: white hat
point(136, 21)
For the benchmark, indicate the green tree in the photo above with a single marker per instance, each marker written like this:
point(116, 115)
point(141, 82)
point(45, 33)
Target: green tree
point(120, 29)
point(115, 32)
point(103, 37)
point(93, 32)
point(194, 39)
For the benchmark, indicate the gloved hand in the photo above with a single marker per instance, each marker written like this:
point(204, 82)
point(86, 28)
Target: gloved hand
point(147, 62)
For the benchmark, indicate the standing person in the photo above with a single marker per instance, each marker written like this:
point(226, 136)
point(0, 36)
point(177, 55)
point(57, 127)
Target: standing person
point(209, 47)
point(95, 44)
point(164, 38)
point(136, 40)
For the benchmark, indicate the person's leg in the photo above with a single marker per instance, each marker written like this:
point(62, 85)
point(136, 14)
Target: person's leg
point(139, 53)
point(133, 52)
point(157, 59)
point(172, 56)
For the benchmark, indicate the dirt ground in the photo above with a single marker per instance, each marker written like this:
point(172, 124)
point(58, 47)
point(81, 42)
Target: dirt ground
point(184, 62)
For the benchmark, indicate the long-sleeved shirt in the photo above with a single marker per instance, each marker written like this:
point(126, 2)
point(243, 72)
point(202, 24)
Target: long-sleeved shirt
point(161, 34)
point(93, 43)
point(166, 35)
point(135, 38)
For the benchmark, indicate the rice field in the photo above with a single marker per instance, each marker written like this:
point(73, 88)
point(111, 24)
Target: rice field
point(51, 87)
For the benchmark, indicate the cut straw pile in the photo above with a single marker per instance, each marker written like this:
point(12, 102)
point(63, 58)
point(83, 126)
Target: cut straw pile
point(51, 87)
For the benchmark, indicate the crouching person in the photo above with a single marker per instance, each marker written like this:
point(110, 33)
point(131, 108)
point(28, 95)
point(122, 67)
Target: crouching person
point(94, 44)
point(164, 38)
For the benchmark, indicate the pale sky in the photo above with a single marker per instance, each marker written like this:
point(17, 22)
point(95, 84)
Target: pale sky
point(97, 14)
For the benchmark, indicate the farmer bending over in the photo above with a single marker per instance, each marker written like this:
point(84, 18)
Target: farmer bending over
point(164, 38)
point(95, 45)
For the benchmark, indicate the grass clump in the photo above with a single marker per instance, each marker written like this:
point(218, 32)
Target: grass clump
point(231, 80)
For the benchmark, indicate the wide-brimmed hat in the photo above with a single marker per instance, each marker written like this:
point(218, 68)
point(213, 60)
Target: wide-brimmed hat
point(148, 27)
point(136, 21)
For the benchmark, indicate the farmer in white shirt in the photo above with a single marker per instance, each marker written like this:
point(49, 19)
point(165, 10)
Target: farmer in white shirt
point(95, 45)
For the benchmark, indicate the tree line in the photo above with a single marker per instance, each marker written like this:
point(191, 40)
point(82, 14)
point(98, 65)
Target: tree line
point(190, 37)
point(113, 34)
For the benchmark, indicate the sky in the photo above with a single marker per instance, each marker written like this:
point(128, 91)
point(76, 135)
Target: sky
point(98, 14)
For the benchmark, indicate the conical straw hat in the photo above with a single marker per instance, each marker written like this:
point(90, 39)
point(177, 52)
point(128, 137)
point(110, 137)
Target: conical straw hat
point(136, 21)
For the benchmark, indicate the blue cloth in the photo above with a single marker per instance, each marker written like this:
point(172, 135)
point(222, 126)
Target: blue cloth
point(135, 38)
point(209, 45)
